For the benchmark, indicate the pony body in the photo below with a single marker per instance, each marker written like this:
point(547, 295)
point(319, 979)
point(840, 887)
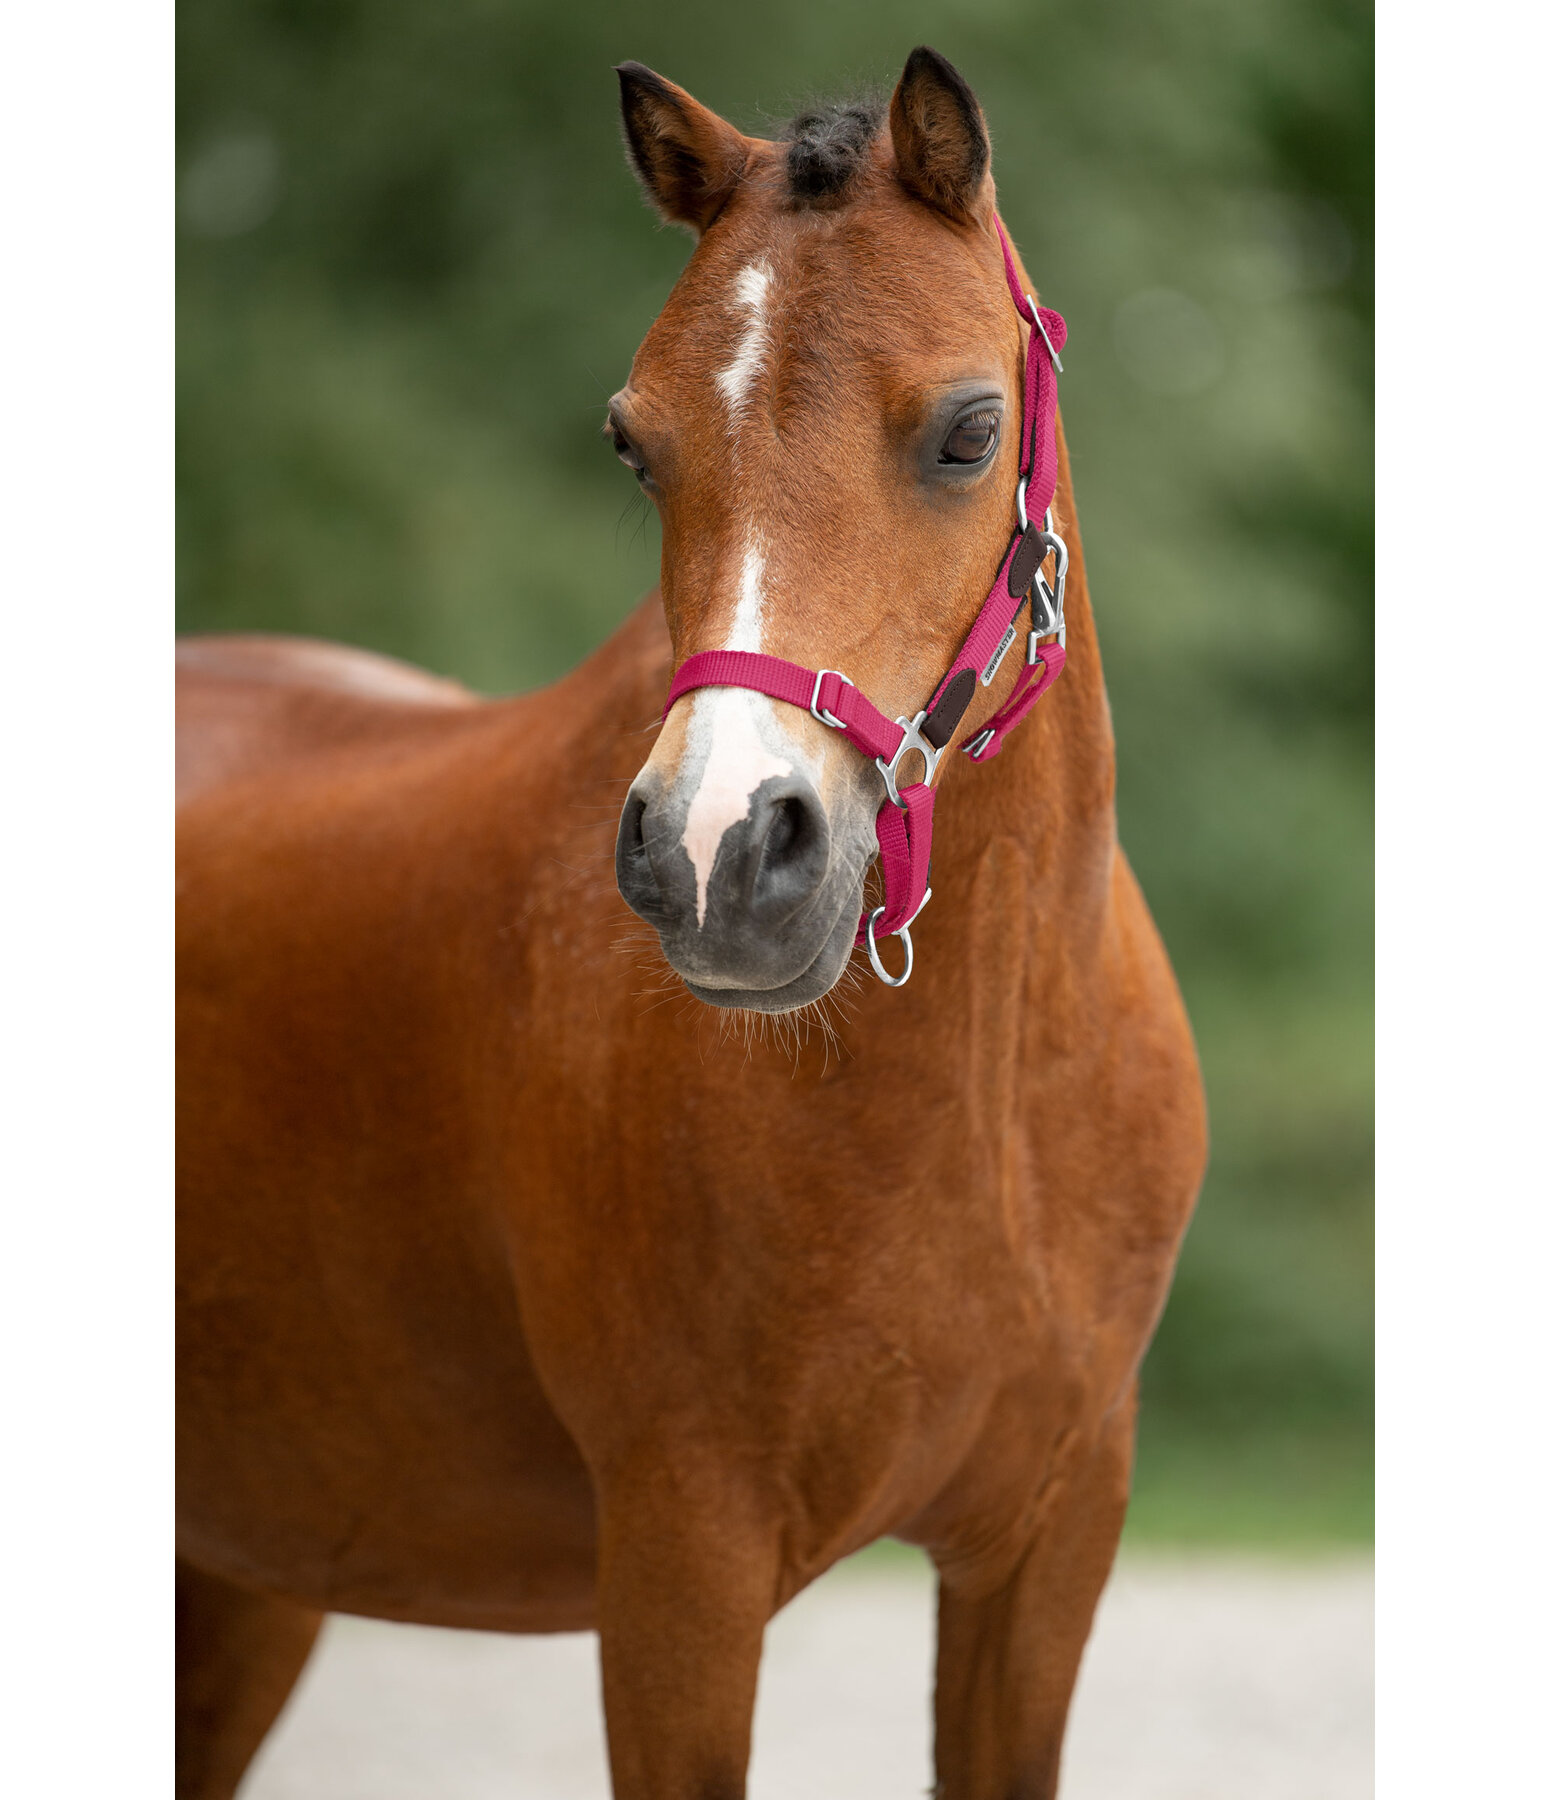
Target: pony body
point(512, 1293)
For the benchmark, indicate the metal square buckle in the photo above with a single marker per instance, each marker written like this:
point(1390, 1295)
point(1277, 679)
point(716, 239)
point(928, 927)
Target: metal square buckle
point(822, 713)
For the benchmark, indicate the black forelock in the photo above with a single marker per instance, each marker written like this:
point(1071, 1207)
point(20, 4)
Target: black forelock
point(827, 145)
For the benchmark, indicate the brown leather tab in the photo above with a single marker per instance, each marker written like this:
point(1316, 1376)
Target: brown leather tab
point(942, 721)
point(1025, 562)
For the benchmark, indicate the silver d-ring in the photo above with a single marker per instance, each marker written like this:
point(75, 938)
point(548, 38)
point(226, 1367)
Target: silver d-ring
point(1022, 502)
point(894, 981)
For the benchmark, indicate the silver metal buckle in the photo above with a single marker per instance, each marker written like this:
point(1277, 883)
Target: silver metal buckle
point(822, 713)
point(979, 743)
point(903, 933)
point(1022, 503)
point(912, 740)
point(1055, 597)
point(1038, 325)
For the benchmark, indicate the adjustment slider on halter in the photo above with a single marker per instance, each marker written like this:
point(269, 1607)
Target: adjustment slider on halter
point(822, 713)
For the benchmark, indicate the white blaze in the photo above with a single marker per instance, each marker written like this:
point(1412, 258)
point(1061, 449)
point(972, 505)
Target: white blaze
point(736, 766)
point(726, 721)
point(751, 294)
point(737, 760)
point(748, 616)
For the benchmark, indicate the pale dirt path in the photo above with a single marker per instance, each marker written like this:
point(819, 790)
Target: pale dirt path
point(1207, 1679)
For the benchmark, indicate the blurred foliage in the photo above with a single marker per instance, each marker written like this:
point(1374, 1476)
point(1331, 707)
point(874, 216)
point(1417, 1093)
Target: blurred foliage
point(413, 266)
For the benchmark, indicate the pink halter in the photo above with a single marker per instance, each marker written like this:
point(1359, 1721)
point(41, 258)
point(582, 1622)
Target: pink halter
point(904, 818)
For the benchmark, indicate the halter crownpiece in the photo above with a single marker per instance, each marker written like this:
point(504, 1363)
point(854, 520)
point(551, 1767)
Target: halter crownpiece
point(834, 700)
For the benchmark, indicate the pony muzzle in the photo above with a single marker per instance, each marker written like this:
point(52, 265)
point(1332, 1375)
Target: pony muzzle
point(755, 920)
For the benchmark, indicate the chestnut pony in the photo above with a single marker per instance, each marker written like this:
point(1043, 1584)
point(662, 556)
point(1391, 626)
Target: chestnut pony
point(512, 1299)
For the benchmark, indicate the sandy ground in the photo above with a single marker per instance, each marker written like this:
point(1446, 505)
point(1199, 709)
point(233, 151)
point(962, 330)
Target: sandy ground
point(1206, 1679)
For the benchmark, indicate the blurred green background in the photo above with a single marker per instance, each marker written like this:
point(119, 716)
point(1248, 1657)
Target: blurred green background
point(412, 268)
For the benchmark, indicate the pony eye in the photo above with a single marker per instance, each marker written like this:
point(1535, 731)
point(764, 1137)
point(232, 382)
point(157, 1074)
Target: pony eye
point(972, 439)
point(626, 451)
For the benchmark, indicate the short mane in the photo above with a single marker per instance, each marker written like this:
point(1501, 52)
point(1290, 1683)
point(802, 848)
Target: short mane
point(827, 145)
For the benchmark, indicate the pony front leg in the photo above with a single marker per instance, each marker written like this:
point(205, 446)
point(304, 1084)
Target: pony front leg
point(687, 1578)
point(1008, 1652)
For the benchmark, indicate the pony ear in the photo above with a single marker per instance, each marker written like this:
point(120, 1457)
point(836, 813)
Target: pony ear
point(940, 146)
point(686, 158)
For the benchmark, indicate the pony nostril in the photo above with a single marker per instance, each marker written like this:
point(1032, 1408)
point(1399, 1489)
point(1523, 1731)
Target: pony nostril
point(787, 826)
point(632, 828)
point(793, 854)
point(632, 862)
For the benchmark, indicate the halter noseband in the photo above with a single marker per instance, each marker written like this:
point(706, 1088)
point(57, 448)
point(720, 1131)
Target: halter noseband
point(904, 818)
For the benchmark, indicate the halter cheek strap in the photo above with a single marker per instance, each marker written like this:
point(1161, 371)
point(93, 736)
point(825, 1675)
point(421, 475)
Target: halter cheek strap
point(904, 818)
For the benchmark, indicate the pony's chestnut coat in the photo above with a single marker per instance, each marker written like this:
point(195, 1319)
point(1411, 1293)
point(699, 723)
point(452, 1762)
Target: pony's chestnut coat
point(512, 1292)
